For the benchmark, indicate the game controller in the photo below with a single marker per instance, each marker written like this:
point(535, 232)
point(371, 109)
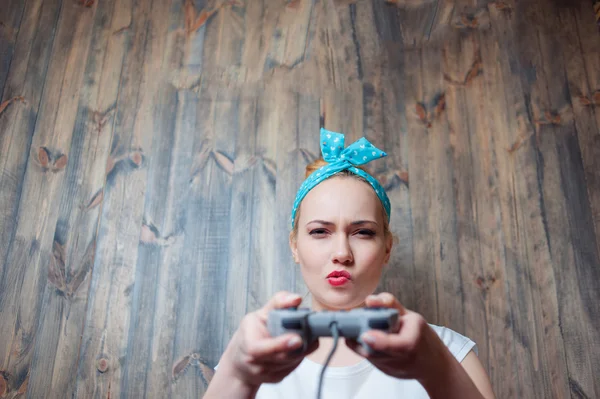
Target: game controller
point(311, 325)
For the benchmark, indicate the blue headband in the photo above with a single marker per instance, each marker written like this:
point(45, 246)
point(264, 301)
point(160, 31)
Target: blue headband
point(358, 153)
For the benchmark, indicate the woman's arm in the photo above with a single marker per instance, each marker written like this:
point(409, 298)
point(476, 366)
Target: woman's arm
point(459, 380)
point(224, 384)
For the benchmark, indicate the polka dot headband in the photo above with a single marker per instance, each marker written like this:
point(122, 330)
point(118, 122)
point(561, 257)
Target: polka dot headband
point(358, 153)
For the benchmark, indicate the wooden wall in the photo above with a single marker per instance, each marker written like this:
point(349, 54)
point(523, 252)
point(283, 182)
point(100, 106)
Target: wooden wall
point(150, 151)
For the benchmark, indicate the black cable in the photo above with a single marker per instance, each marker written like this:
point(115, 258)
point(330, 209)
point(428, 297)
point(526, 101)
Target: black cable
point(336, 335)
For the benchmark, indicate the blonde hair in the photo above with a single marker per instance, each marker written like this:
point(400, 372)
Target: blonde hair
point(313, 166)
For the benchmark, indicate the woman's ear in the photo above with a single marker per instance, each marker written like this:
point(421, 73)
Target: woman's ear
point(389, 243)
point(294, 248)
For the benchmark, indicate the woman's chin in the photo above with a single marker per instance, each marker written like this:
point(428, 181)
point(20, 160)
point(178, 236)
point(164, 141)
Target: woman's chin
point(337, 300)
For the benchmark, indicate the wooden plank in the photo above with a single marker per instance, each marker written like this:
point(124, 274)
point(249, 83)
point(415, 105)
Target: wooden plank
point(258, 34)
point(528, 235)
point(11, 15)
point(501, 129)
point(242, 219)
point(420, 20)
point(104, 342)
point(443, 239)
point(332, 54)
point(517, 179)
point(582, 59)
point(25, 276)
point(290, 40)
point(273, 110)
point(307, 149)
point(545, 245)
point(148, 369)
point(570, 222)
point(63, 308)
point(421, 197)
point(206, 259)
point(399, 276)
point(290, 165)
point(154, 296)
point(223, 37)
point(17, 121)
point(162, 370)
point(471, 179)
point(384, 124)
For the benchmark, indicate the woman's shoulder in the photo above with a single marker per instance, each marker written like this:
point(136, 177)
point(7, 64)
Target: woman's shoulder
point(458, 344)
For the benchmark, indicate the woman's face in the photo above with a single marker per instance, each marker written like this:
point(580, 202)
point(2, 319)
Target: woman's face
point(340, 243)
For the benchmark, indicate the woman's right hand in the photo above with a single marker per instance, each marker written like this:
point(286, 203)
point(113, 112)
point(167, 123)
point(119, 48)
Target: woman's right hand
point(254, 357)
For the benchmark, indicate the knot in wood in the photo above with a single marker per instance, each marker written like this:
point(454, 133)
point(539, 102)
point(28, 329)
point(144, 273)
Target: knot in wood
point(3, 385)
point(102, 365)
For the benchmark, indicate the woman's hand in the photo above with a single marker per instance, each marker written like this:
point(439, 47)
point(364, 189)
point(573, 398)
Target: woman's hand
point(411, 351)
point(254, 357)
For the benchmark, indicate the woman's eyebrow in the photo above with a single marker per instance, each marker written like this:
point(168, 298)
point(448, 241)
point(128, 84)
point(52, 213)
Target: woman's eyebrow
point(363, 222)
point(326, 223)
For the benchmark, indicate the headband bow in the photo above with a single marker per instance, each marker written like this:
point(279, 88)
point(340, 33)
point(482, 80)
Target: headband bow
point(339, 158)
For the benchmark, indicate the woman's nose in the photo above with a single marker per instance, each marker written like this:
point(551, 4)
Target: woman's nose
point(342, 252)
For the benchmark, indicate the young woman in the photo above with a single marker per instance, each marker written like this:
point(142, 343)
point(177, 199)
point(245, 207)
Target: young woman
point(342, 241)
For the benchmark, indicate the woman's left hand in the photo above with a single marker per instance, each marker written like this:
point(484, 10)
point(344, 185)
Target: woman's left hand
point(411, 351)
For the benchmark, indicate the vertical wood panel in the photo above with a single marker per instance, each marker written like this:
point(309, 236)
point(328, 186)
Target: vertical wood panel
point(65, 297)
point(309, 149)
point(168, 249)
point(242, 223)
point(421, 199)
point(443, 239)
point(17, 121)
point(501, 129)
point(271, 109)
point(11, 15)
point(582, 58)
point(168, 164)
point(471, 162)
point(30, 254)
point(102, 358)
point(201, 312)
point(571, 234)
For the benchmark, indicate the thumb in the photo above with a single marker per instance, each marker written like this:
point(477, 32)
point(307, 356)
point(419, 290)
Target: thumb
point(281, 300)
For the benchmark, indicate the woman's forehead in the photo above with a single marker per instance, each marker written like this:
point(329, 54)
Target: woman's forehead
point(343, 197)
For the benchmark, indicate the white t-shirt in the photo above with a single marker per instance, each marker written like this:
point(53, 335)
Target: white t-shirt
point(360, 381)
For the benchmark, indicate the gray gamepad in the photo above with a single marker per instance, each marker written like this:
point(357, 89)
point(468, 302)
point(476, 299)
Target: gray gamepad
point(311, 325)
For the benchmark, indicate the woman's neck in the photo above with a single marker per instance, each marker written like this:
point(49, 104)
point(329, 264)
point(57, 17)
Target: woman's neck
point(342, 357)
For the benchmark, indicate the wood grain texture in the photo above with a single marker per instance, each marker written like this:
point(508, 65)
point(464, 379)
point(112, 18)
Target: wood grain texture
point(26, 273)
point(17, 121)
point(65, 296)
point(104, 341)
point(11, 15)
point(150, 153)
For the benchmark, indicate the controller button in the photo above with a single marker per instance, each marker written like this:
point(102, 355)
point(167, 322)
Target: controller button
point(379, 324)
point(291, 324)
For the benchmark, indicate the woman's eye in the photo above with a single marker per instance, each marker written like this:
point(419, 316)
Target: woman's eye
point(364, 232)
point(317, 232)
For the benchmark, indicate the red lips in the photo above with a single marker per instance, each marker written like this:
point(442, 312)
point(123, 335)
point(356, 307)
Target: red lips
point(339, 273)
point(338, 278)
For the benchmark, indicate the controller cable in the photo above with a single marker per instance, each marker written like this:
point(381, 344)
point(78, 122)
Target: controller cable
point(336, 335)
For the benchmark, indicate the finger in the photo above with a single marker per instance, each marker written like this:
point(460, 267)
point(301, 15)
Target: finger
point(405, 341)
point(269, 347)
point(282, 299)
point(292, 355)
point(386, 300)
